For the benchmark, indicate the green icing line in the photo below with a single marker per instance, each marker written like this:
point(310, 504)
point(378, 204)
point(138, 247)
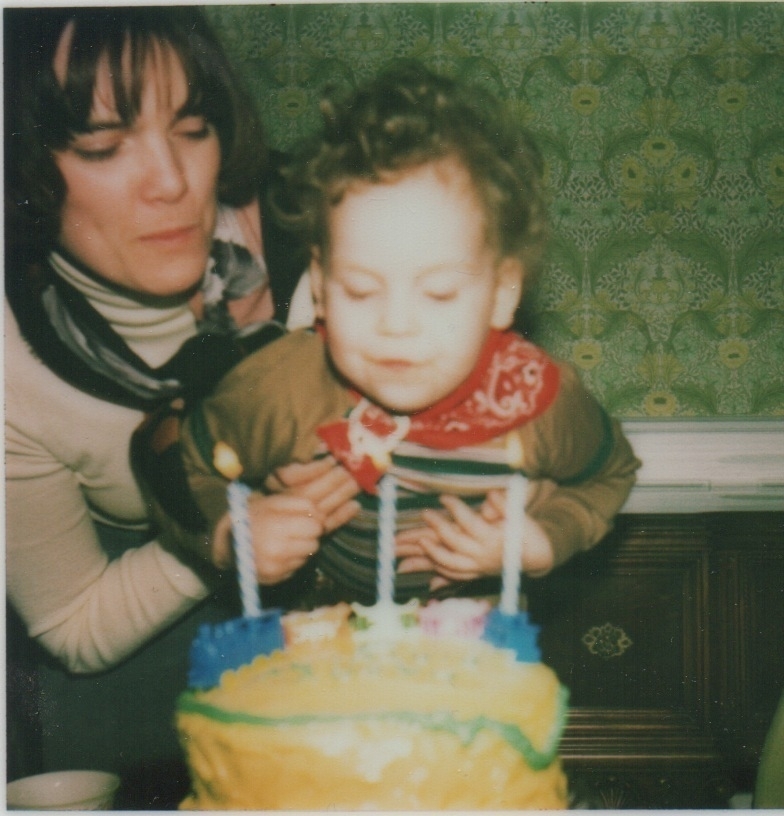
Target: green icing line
point(466, 731)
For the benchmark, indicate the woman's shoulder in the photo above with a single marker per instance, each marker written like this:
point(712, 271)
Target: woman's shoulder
point(27, 378)
point(46, 417)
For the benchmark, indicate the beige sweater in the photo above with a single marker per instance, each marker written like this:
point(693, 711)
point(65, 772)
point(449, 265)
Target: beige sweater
point(67, 462)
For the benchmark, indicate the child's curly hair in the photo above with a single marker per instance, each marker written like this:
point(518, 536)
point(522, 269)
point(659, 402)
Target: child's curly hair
point(407, 117)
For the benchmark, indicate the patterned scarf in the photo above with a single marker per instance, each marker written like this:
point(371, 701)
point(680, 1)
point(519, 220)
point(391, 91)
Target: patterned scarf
point(512, 383)
point(94, 357)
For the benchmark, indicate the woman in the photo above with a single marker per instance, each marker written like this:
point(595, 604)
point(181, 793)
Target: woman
point(137, 250)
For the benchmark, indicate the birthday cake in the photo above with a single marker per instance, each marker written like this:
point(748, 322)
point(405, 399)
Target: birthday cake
point(358, 711)
point(388, 707)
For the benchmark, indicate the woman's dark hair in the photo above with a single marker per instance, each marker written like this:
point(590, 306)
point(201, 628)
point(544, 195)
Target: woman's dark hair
point(407, 117)
point(42, 116)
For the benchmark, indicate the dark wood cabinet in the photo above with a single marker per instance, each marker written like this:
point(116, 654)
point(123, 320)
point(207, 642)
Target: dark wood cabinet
point(669, 636)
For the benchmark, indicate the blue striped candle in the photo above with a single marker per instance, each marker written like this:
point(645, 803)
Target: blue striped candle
point(513, 544)
point(385, 574)
point(238, 495)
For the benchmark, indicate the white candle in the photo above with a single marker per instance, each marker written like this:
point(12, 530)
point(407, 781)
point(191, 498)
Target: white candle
point(238, 495)
point(385, 575)
point(513, 543)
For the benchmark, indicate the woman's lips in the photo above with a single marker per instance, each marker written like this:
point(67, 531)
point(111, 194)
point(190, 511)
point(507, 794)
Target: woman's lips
point(177, 235)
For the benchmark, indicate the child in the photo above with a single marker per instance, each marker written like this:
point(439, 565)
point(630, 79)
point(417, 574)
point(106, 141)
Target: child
point(425, 216)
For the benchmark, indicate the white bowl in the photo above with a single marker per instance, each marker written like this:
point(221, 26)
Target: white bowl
point(63, 790)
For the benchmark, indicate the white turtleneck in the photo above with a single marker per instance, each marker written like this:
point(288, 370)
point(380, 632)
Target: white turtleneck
point(153, 333)
point(67, 462)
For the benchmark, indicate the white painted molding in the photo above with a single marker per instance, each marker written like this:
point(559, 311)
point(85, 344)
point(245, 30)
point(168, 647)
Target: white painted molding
point(705, 465)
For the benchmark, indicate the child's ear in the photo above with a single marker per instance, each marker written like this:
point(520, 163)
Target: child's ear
point(316, 271)
point(508, 292)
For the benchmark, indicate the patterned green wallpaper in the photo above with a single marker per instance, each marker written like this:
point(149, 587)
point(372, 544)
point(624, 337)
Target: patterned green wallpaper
point(663, 129)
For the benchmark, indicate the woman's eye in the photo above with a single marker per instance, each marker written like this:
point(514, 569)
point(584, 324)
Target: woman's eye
point(194, 127)
point(96, 153)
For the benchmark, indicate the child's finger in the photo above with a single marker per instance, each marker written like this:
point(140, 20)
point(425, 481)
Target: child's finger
point(438, 582)
point(408, 549)
point(412, 535)
point(408, 542)
point(420, 563)
point(493, 508)
point(448, 534)
point(453, 555)
point(468, 520)
point(340, 515)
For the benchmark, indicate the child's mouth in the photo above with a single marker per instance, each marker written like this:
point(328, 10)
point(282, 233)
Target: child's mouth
point(395, 365)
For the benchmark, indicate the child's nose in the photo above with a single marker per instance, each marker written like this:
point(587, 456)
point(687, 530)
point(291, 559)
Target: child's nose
point(397, 315)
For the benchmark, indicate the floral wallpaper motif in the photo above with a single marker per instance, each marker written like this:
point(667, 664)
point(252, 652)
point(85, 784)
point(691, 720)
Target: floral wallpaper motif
point(662, 125)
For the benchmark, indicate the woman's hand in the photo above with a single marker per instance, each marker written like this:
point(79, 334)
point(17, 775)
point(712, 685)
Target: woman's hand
point(466, 544)
point(328, 485)
point(285, 531)
point(308, 501)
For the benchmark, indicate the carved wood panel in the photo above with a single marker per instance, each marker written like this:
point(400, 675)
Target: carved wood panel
point(668, 635)
point(747, 610)
point(625, 625)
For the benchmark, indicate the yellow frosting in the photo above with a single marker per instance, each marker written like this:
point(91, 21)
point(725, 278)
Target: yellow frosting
point(409, 724)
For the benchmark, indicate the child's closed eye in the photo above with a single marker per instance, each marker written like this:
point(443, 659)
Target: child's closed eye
point(360, 292)
point(442, 285)
point(441, 295)
point(359, 286)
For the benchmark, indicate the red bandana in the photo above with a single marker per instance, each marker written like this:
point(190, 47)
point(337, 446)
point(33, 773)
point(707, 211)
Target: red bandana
point(513, 382)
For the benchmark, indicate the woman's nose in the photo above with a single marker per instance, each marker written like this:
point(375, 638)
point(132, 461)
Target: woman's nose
point(164, 174)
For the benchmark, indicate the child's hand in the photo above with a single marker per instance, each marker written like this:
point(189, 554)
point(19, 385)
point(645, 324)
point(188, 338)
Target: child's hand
point(467, 545)
point(411, 554)
point(470, 544)
point(329, 485)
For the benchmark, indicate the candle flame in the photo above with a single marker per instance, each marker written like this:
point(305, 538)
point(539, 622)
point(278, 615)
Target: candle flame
point(226, 461)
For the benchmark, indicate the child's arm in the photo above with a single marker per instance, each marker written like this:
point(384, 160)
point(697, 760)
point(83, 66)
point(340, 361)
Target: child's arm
point(266, 410)
point(581, 469)
point(469, 544)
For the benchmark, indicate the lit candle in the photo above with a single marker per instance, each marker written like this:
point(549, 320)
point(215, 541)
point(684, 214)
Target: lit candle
point(385, 575)
point(238, 495)
point(513, 544)
point(227, 463)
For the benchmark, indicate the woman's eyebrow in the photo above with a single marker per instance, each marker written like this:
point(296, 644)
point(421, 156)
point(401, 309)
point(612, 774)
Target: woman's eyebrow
point(92, 125)
point(189, 107)
point(105, 124)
